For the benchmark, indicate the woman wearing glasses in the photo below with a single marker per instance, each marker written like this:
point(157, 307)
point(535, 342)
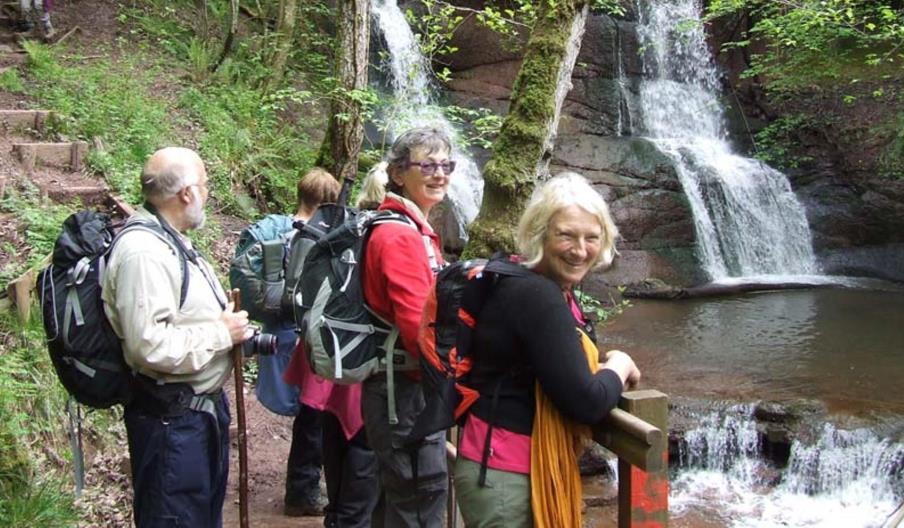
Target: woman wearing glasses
point(399, 267)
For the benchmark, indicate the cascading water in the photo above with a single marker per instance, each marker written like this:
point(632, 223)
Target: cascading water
point(748, 221)
point(846, 478)
point(413, 106)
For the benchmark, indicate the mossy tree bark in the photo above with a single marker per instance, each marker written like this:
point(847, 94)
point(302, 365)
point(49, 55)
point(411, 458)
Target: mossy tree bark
point(522, 151)
point(229, 42)
point(345, 132)
point(285, 36)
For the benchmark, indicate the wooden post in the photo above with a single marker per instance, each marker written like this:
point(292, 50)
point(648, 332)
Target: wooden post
point(19, 291)
point(643, 496)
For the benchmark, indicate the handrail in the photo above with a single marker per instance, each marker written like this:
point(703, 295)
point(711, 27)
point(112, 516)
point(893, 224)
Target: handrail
point(636, 432)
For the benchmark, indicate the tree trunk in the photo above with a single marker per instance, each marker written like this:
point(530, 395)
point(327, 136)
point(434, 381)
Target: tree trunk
point(522, 151)
point(285, 36)
point(345, 131)
point(229, 43)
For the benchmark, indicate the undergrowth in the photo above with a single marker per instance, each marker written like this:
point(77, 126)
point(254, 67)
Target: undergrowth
point(103, 99)
point(33, 454)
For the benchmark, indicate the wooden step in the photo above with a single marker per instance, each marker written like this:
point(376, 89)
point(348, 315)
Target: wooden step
point(16, 119)
point(70, 155)
point(88, 195)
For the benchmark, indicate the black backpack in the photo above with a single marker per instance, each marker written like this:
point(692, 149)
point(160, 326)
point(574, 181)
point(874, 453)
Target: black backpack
point(84, 349)
point(346, 342)
point(445, 339)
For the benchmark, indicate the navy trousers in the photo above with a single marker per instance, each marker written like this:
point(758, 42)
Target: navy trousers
point(305, 458)
point(179, 467)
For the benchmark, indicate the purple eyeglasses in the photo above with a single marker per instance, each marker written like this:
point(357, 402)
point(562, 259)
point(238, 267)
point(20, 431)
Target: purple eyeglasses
point(428, 168)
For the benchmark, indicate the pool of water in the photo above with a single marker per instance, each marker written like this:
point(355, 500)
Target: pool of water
point(844, 347)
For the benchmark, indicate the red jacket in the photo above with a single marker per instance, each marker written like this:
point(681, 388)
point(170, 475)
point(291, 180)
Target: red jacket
point(397, 272)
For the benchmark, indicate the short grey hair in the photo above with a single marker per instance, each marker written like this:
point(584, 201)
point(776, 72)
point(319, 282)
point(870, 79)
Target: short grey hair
point(168, 171)
point(564, 190)
point(431, 138)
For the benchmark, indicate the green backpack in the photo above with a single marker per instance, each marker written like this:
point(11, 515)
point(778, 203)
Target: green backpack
point(258, 268)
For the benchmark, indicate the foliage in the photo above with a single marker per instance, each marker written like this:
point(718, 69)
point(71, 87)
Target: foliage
point(891, 160)
point(776, 142)
point(815, 40)
point(845, 53)
point(247, 136)
point(479, 126)
point(437, 20)
point(106, 100)
point(246, 145)
point(43, 502)
point(42, 223)
point(11, 82)
point(601, 312)
point(31, 404)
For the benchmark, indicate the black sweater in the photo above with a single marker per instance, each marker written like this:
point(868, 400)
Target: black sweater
point(526, 332)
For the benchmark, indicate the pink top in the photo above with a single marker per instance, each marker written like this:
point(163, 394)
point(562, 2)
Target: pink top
point(509, 451)
point(343, 401)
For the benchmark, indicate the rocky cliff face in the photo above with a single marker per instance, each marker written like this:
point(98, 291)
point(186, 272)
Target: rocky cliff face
point(857, 218)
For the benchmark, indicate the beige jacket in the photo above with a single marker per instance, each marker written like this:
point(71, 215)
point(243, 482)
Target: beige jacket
point(141, 290)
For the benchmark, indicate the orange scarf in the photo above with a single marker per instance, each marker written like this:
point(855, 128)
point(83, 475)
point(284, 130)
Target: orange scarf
point(556, 443)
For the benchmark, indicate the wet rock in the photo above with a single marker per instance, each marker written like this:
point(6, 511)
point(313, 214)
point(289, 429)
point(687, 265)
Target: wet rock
point(595, 461)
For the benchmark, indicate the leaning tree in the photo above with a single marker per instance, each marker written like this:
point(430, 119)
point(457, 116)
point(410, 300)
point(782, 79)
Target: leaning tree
point(523, 148)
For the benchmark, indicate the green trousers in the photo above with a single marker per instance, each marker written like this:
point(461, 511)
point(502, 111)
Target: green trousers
point(503, 503)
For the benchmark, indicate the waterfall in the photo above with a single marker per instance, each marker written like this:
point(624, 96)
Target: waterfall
point(414, 106)
point(748, 221)
point(850, 478)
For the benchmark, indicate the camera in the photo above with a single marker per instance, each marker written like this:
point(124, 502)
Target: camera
point(260, 343)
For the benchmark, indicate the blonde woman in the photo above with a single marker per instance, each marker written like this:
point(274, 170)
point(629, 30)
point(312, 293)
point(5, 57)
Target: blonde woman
point(530, 361)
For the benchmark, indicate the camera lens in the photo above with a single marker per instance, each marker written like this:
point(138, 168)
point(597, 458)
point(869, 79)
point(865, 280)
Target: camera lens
point(266, 344)
point(260, 344)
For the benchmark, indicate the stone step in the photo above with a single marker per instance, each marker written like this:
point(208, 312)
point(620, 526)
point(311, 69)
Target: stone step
point(24, 119)
point(71, 155)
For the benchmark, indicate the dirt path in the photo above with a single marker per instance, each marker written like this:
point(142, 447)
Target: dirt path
point(269, 436)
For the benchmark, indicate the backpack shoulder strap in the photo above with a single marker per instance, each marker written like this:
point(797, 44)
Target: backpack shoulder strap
point(177, 247)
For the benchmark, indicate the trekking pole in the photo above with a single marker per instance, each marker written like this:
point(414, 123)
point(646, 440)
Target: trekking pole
point(237, 363)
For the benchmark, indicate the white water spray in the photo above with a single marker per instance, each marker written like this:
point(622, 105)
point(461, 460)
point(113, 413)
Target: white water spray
point(747, 219)
point(413, 92)
point(846, 478)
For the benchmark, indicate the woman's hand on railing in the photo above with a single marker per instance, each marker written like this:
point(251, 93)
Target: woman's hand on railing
point(624, 366)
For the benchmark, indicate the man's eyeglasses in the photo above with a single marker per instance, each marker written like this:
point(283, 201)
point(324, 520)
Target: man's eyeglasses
point(428, 168)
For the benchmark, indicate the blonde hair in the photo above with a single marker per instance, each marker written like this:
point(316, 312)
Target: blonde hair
point(373, 188)
point(564, 190)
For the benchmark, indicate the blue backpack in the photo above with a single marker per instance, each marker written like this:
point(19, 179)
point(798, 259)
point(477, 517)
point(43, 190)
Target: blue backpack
point(258, 271)
point(258, 267)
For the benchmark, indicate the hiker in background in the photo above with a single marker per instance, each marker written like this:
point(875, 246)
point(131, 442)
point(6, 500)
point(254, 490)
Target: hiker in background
point(349, 464)
point(303, 495)
point(178, 421)
point(399, 267)
point(32, 10)
point(537, 371)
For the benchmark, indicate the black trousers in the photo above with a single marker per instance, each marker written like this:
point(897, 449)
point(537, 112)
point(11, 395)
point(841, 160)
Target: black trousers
point(415, 501)
point(352, 483)
point(305, 458)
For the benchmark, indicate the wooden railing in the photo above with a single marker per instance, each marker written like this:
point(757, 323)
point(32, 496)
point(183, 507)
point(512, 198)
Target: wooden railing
point(637, 432)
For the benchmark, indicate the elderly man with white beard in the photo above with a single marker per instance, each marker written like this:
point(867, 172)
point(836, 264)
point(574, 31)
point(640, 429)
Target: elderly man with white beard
point(177, 329)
